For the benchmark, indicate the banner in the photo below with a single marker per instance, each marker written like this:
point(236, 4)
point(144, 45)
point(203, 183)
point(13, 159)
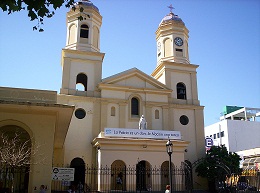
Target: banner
point(144, 134)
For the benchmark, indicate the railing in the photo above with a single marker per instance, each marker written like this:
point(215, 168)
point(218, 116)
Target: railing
point(132, 179)
point(14, 179)
point(129, 179)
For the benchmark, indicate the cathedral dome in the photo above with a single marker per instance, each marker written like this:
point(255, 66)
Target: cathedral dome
point(171, 17)
point(87, 3)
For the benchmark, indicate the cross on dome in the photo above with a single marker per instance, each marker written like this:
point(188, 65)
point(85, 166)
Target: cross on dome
point(171, 8)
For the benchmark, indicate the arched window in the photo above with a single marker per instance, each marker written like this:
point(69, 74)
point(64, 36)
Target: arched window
point(84, 31)
point(82, 79)
point(181, 91)
point(156, 114)
point(134, 106)
point(113, 111)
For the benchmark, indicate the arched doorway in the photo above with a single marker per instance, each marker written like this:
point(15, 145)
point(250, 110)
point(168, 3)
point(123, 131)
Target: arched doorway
point(15, 142)
point(118, 177)
point(165, 180)
point(79, 175)
point(143, 176)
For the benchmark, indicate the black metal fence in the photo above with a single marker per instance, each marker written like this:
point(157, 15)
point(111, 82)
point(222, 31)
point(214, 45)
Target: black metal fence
point(138, 178)
point(128, 179)
point(14, 179)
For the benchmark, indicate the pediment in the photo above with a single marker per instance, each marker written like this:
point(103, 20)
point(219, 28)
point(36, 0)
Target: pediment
point(133, 78)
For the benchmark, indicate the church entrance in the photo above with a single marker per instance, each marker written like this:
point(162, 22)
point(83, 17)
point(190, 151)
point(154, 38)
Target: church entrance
point(164, 174)
point(79, 175)
point(143, 180)
point(118, 175)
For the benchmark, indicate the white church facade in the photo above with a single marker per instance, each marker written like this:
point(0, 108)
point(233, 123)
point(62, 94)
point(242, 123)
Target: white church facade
point(99, 124)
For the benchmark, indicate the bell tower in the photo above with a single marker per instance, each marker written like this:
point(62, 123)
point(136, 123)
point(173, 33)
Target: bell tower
point(173, 66)
point(83, 27)
point(81, 57)
point(172, 39)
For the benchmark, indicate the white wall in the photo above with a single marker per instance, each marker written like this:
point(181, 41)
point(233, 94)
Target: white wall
point(243, 135)
point(238, 135)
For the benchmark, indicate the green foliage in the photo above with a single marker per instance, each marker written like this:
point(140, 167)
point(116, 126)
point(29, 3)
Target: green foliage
point(37, 9)
point(218, 163)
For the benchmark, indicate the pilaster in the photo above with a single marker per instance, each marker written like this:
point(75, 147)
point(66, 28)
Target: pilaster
point(171, 119)
point(199, 131)
point(165, 115)
point(96, 127)
point(65, 75)
point(122, 114)
point(104, 113)
point(194, 89)
point(148, 116)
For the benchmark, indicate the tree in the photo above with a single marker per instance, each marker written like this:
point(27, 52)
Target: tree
point(37, 9)
point(217, 165)
point(15, 151)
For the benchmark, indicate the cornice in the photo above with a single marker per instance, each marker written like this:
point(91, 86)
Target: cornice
point(133, 89)
point(27, 103)
point(99, 141)
point(185, 106)
point(80, 52)
point(78, 98)
point(165, 65)
point(171, 28)
point(111, 100)
point(155, 104)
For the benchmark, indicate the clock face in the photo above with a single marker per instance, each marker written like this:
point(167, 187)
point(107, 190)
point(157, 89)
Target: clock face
point(178, 41)
point(159, 46)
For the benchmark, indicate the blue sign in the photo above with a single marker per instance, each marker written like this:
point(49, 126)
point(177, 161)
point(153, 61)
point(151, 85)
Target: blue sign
point(208, 142)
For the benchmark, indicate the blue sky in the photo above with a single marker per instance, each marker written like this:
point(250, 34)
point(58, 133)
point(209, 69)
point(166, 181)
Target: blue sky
point(224, 41)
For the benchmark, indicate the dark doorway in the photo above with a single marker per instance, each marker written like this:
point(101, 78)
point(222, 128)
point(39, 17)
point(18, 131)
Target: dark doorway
point(79, 175)
point(143, 176)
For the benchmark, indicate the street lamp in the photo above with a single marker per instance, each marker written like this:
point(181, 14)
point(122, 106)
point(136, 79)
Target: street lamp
point(169, 151)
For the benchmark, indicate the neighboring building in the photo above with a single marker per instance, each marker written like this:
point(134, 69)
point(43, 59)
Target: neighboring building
point(239, 131)
point(168, 98)
point(36, 115)
point(250, 159)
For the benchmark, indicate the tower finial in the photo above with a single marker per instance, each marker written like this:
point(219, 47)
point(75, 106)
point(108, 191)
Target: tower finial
point(171, 8)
